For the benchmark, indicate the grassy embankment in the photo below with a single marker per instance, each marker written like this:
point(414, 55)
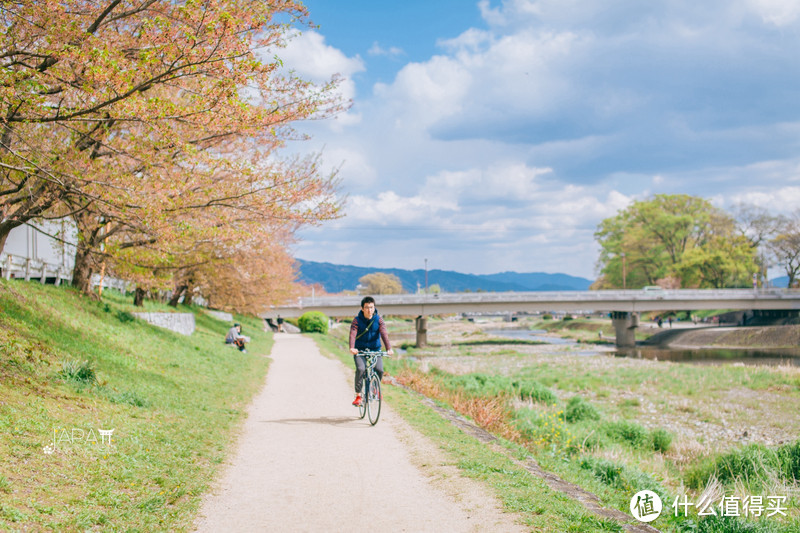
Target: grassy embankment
point(598, 423)
point(71, 366)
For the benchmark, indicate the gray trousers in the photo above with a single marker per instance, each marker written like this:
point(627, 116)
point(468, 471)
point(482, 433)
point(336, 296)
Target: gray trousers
point(361, 369)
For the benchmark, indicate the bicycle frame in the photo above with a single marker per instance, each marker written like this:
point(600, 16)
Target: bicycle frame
point(371, 388)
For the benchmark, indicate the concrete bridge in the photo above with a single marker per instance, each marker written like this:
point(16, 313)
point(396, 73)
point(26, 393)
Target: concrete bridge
point(624, 305)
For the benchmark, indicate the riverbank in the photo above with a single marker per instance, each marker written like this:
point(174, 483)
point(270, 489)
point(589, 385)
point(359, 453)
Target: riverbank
point(707, 414)
point(747, 337)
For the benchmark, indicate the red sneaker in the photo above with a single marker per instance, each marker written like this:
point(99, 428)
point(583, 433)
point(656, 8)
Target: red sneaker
point(357, 401)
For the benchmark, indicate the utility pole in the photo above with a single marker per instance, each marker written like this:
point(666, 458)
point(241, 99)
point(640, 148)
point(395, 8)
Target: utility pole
point(426, 275)
point(624, 273)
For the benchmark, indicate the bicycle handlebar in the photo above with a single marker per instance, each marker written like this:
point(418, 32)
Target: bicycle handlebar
point(379, 353)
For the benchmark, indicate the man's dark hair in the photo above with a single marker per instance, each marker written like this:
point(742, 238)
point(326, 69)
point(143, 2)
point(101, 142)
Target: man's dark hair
point(367, 300)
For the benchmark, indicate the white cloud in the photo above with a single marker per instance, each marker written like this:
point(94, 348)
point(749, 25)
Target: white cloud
point(378, 50)
point(472, 40)
point(309, 55)
point(784, 200)
point(777, 12)
point(423, 93)
point(353, 165)
point(389, 208)
point(312, 59)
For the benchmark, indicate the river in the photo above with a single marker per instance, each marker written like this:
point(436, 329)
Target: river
point(703, 356)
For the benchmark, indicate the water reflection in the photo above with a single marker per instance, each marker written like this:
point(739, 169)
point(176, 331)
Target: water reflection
point(702, 356)
point(716, 356)
point(530, 335)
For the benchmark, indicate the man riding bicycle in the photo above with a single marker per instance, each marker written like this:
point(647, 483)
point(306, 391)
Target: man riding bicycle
point(366, 333)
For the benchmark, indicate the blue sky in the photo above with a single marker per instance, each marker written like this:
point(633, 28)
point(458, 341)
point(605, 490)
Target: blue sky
point(488, 136)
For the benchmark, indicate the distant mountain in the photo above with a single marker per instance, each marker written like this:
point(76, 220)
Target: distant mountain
point(782, 282)
point(539, 281)
point(338, 278)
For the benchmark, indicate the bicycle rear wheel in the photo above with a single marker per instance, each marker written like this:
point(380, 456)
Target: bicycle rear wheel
point(362, 407)
point(374, 399)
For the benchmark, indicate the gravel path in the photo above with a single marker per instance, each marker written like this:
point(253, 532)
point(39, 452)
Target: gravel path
point(305, 462)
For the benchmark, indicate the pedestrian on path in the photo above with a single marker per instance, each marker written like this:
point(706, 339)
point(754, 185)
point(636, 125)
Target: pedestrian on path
point(366, 333)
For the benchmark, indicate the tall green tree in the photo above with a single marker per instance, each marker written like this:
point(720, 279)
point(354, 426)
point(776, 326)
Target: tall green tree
point(669, 237)
point(725, 261)
point(381, 283)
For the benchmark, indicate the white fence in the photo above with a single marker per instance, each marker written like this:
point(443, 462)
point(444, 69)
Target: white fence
point(15, 266)
point(18, 267)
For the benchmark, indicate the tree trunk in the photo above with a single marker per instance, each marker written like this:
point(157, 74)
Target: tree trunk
point(176, 296)
point(138, 297)
point(5, 229)
point(84, 268)
point(187, 300)
point(89, 239)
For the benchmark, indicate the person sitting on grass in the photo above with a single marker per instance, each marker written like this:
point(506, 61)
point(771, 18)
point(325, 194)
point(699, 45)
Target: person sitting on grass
point(236, 338)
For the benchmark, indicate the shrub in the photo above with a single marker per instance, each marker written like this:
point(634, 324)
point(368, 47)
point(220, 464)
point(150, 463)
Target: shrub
point(80, 371)
point(313, 321)
point(622, 477)
point(661, 439)
point(130, 398)
point(607, 472)
point(789, 460)
point(579, 409)
point(547, 317)
point(587, 436)
point(626, 431)
point(124, 316)
point(535, 391)
point(755, 464)
point(543, 428)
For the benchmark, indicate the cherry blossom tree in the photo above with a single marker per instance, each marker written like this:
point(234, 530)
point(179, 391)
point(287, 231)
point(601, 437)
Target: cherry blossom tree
point(141, 118)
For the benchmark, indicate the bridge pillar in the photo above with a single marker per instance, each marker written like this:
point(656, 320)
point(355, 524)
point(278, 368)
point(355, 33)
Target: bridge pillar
point(422, 331)
point(625, 327)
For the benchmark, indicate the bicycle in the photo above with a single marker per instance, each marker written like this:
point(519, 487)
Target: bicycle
point(371, 388)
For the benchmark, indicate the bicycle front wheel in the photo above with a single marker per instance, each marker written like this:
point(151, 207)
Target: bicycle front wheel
point(362, 407)
point(374, 399)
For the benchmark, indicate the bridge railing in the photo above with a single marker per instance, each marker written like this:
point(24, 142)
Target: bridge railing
point(563, 296)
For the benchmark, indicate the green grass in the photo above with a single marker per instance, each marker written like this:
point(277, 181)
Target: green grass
point(541, 508)
point(481, 384)
point(602, 447)
point(675, 379)
point(755, 465)
point(71, 366)
point(579, 409)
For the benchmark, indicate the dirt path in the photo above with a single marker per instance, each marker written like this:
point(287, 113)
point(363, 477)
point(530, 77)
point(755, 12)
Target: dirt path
point(302, 463)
